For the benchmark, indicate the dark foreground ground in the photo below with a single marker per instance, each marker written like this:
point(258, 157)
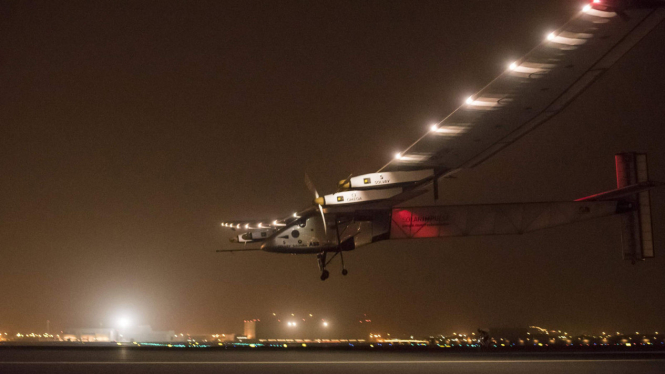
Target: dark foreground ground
point(132, 360)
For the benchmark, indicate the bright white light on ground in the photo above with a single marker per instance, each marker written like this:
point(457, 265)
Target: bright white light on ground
point(325, 324)
point(551, 36)
point(124, 322)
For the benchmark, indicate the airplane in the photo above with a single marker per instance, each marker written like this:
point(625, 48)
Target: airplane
point(368, 208)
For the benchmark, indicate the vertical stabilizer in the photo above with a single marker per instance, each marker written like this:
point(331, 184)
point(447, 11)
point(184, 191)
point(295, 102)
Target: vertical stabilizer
point(636, 230)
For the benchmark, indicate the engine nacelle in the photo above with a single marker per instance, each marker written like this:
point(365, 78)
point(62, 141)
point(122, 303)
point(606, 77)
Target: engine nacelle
point(253, 236)
point(357, 196)
point(385, 180)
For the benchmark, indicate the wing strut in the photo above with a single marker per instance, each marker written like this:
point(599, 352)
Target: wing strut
point(238, 250)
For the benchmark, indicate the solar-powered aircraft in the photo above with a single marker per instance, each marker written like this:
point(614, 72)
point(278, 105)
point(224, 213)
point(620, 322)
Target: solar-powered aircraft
point(533, 89)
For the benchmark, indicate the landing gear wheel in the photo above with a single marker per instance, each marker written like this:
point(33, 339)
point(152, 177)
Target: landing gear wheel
point(345, 272)
point(325, 275)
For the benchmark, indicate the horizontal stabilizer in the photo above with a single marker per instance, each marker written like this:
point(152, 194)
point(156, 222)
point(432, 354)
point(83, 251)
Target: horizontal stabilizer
point(623, 192)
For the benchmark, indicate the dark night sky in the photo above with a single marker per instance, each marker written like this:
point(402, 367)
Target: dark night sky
point(130, 130)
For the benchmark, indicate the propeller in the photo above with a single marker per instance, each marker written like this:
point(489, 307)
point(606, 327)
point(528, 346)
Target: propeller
point(341, 185)
point(312, 189)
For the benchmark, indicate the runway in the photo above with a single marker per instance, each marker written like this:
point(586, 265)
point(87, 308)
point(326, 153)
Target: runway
point(128, 360)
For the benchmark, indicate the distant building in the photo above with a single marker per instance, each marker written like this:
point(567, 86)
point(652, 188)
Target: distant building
point(90, 334)
point(306, 327)
point(145, 334)
point(142, 333)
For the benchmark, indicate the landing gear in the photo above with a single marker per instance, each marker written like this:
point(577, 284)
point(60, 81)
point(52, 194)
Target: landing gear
point(321, 258)
point(341, 256)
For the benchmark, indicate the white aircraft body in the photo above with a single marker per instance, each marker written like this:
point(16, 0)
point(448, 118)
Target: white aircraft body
point(531, 91)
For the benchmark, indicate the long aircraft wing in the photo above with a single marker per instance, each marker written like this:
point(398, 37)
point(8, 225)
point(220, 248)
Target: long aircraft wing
point(529, 92)
point(532, 89)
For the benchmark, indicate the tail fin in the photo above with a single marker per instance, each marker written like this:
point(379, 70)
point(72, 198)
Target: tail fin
point(636, 229)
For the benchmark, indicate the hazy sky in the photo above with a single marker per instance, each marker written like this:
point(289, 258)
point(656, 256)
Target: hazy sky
point(130, 129)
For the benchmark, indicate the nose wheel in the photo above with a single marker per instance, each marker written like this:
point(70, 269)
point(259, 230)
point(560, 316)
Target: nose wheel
point(321, 259)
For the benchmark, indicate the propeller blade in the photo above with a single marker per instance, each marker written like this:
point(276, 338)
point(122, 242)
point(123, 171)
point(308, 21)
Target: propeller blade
point(310, 186)
point(323, 217)
point(312, 189)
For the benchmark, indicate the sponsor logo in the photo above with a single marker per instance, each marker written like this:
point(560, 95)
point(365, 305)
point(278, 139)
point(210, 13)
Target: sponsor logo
point(425, 220)
point(353, 197)
point(584, 210)
point(381, 180)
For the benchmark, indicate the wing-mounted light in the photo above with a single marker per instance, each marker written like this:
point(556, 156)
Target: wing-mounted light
point(277, 223)
point(610, 8)
point(256, 225)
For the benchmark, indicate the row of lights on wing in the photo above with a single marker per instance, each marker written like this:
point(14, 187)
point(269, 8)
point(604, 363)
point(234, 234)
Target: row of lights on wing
point(513, 65)
point(261, 226)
